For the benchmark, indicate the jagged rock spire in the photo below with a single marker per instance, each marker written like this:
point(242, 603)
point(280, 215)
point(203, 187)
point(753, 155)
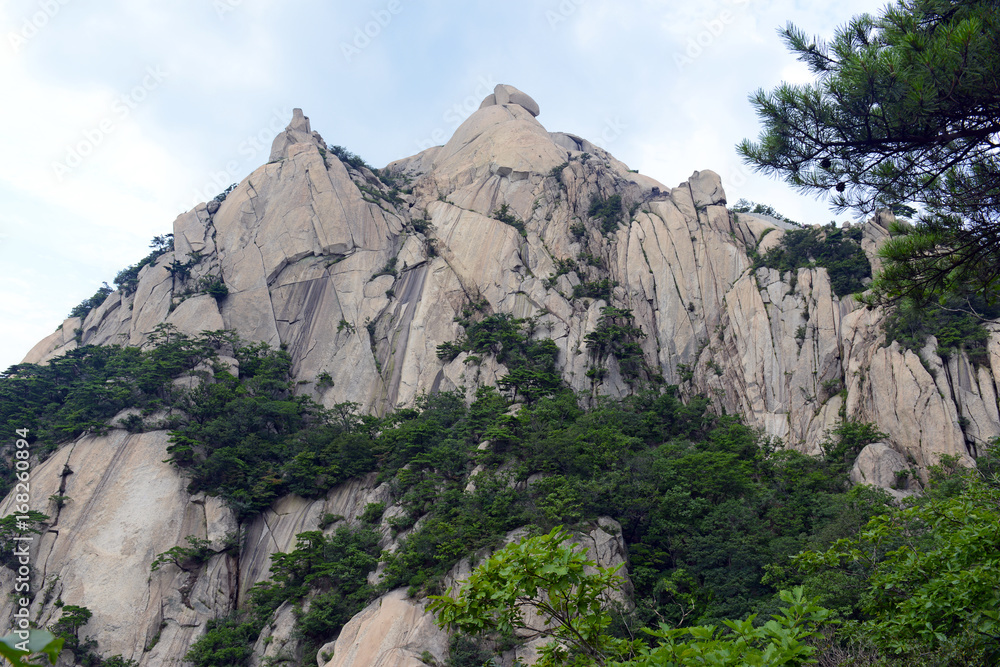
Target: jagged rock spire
point(297, 132)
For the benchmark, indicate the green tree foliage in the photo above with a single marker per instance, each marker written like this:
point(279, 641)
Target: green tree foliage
point(128, 279)
point(847, 441)
point(336, 566)
point(221, 197)
point(539, 578)
point(747, 206)
point(955, 319)
point(14, 526)
point(422, 437)
point(837, 250)
point(594, 289)
point(610, 212)
point(186, 558)
point(504, 215)
point(352, 159)
point(932, 577)
point(567, 598)
point(83, 389)
point(332, 569)
point(428, 453)
point(466, 652)
point(21, 652)
point(616, 335)
point(790, 637)
point(72, 619)
point(719, 513)
point(905, 109)
point(250, 439)
point(530, 362)
point(710, 510)
point(840, 591)
point(705, 504)
point(214, 287)
point(87, 305)
point(227, 642)
point(67, 628)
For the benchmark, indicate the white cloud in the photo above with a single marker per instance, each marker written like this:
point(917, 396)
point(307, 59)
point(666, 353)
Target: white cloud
point(232, 80)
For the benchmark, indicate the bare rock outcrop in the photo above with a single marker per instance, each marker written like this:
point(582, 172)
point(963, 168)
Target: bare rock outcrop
point(119, 505)
point(880, 465)
point(504, 94)
point(393, 631)
point(59, 342)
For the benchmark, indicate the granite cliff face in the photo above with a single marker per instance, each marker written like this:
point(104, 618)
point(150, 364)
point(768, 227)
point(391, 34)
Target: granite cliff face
point(363, 282)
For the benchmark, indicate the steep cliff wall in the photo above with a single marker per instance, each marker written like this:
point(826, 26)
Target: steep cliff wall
point(363, 282)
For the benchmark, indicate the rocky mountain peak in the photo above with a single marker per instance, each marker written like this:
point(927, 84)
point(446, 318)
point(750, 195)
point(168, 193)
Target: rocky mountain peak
point(298, 132)
point(372, 279)
point(504, 95)
point(361, 275)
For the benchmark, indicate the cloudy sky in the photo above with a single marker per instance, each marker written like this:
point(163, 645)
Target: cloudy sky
point(119, 115)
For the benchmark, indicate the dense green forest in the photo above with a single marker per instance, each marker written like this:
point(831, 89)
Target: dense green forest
point(713, 513)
